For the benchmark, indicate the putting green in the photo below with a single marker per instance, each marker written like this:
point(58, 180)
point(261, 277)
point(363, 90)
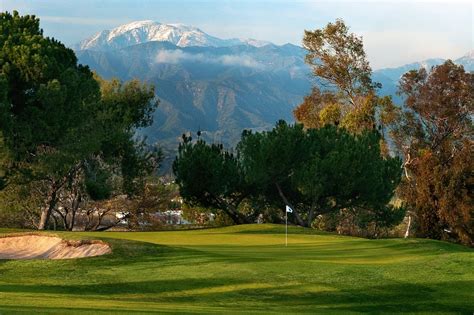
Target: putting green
point(245, 269)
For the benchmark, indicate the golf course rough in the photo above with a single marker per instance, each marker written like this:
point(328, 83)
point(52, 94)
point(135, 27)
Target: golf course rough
point(244, 269)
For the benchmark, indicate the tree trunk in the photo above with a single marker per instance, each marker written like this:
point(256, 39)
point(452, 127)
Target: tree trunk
point(235, 215)
point(310, 217)
point(283, 197)
point(73, 220)
point(49, 206)
point(63, 217)
point(231, 210)
point(75, 206)
point(407, 232)
point(55, 222)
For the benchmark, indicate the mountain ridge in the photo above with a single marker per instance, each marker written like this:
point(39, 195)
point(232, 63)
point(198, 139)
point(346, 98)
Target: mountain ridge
point(139, 32)
point(219, 89)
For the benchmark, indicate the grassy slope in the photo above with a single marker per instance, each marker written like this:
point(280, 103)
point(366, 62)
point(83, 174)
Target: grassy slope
point(246, 269)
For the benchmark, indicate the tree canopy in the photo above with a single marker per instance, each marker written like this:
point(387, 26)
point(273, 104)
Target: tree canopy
point(60, 125)
point(319, 171)
point(434, 134)
point(344, 93)
point(208, 175)
point(314, 171)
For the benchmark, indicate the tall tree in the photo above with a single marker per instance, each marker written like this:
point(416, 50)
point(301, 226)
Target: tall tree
point(344, 94)
point(47, 97)
point(270, 158)
point(434, 133)
point(55, 117)
point(122, 164)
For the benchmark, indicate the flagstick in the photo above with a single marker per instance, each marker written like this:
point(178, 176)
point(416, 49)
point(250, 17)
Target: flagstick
point(286, 227)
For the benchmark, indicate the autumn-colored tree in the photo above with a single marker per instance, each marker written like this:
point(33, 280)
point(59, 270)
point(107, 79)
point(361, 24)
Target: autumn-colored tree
point(434, 133)
point(344, 94)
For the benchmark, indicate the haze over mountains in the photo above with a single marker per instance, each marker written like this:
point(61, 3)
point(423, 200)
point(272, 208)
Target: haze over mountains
point(220, 86)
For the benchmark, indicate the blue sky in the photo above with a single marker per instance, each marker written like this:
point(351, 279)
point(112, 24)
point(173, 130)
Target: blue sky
point(394, 32)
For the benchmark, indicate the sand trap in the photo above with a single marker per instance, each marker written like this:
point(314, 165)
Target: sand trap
point(49, 247)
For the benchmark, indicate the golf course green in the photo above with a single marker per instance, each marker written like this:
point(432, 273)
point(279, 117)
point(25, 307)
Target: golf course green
point(244, 269)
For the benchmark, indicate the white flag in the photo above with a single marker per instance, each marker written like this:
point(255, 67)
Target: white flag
point(289, 210)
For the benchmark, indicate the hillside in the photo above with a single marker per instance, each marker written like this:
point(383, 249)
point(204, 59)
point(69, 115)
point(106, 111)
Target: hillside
point(220, 90)
point(219, 86)
point(245, 269)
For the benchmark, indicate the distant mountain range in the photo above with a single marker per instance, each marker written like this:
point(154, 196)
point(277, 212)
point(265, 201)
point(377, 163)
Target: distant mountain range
point(389, 77)
point(220, 86)
point(146, 31)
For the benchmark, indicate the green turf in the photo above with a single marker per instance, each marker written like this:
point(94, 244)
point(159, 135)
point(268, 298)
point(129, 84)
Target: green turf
point(245, 269)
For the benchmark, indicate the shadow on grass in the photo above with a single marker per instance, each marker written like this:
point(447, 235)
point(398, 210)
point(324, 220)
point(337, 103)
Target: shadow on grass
point(394, 297)
point(120, 288)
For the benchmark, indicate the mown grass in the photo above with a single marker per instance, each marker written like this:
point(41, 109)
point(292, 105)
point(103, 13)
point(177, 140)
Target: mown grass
point(245, 269)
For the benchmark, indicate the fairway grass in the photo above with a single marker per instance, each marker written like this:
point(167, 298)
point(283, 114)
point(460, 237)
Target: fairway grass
point(244, 269)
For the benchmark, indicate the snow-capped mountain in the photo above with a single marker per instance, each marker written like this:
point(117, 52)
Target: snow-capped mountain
point(147, 31)
point(396, 73)
point(467, 61)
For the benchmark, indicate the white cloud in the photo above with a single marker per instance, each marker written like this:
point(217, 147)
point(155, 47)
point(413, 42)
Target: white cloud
point(174, 56)
point(241, 60)
point(177, 56)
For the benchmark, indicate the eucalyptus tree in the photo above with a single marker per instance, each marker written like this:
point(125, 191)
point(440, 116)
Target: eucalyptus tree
point(434, 133)
point(344, 93)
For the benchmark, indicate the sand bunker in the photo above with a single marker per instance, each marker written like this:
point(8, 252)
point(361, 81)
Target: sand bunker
point(49, 247)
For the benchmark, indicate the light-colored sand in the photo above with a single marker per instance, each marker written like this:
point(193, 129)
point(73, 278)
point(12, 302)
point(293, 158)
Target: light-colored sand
point(49, 247)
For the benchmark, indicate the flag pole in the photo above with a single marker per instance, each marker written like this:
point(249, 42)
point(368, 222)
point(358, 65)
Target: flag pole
point(286, 227)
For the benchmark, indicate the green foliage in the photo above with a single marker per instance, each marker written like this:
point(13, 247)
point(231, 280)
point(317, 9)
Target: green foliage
point(45, 108)
point(47, 97)
point(209, 176)
point(270, 157)
point(124, 108)
point(320, 170)
point(348, 101)
point(127, 105)
point(4, 161)
point(346, 170)
point(56, 117)
point(47, 93)
point(98, 182)
point(315, 171)
point(19, 205)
